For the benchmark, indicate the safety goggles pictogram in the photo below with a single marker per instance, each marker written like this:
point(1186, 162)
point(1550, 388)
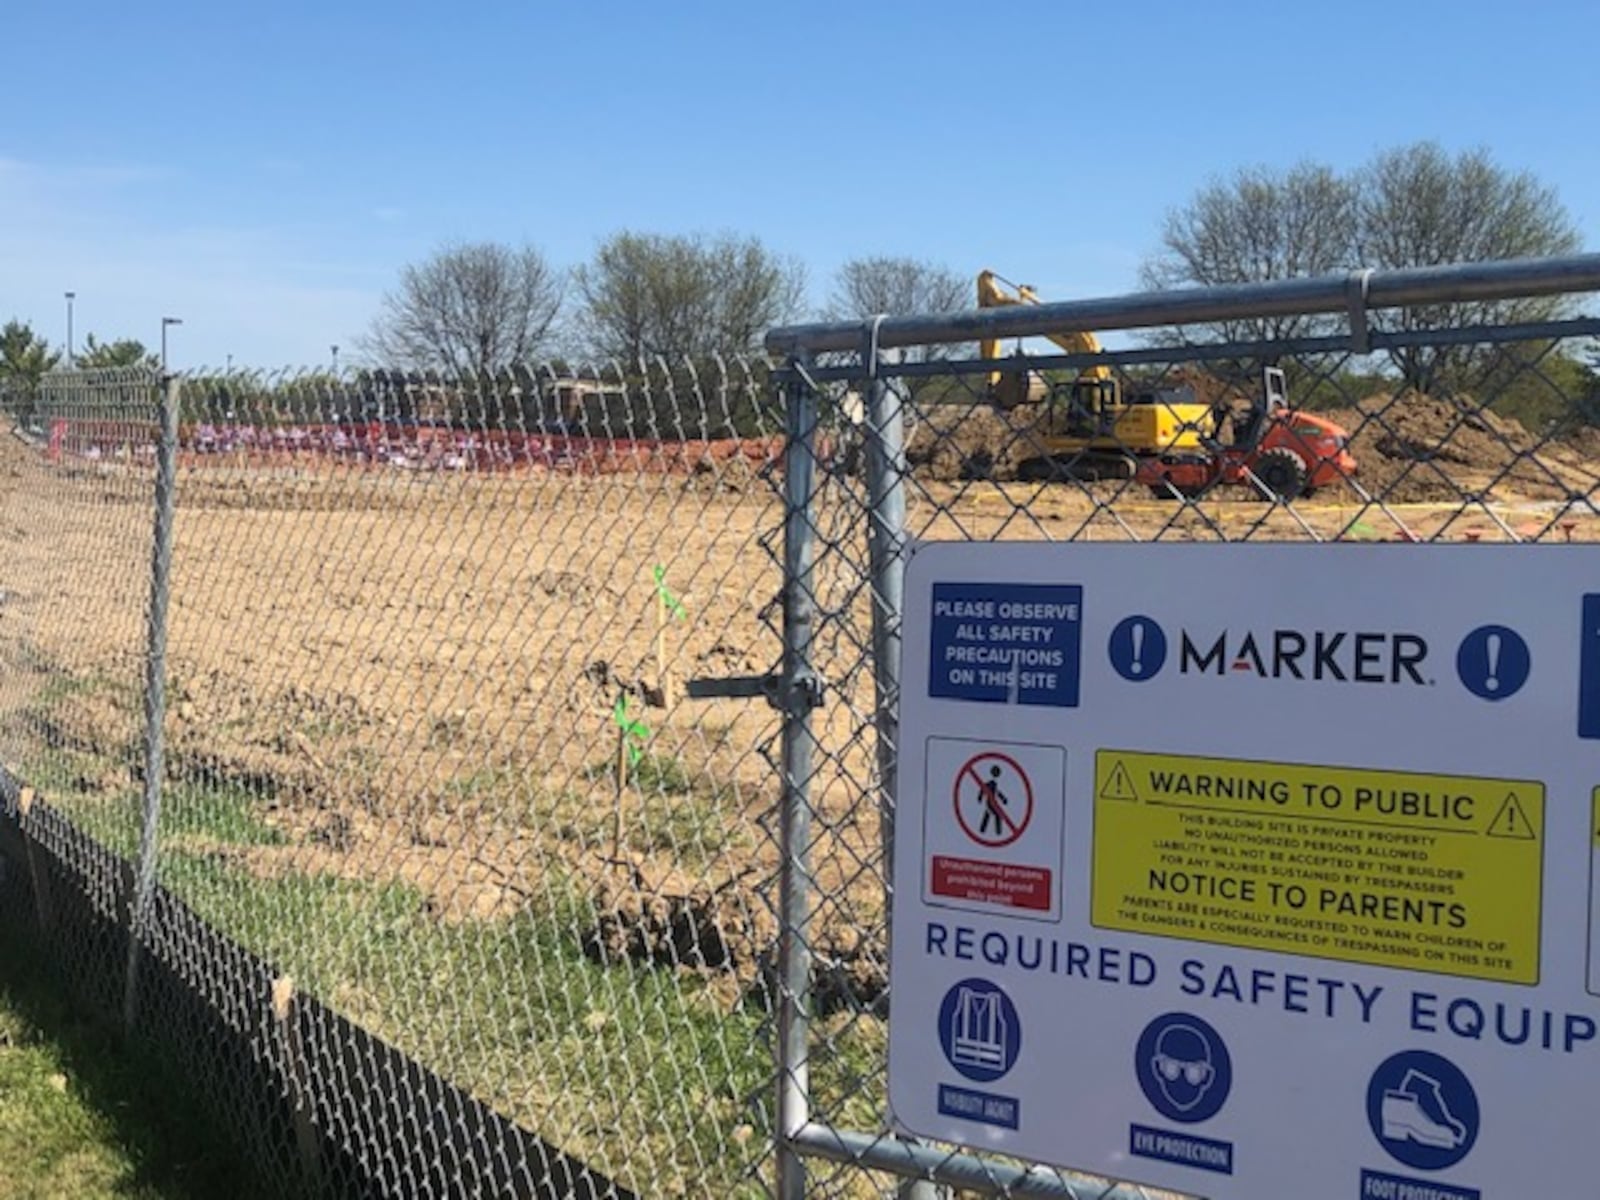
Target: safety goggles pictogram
point(1194, 1073)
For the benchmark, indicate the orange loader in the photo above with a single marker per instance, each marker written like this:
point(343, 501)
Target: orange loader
point(1283, 453)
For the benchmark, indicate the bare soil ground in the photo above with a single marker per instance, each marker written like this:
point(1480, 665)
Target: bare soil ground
point(417, 675)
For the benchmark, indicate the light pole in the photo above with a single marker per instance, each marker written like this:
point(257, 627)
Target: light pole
point(335, 350)
point(71, 296)
point(165, 321)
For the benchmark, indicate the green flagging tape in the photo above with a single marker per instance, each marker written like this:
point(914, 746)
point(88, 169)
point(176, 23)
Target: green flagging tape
point(674, 606)
point(634, 731)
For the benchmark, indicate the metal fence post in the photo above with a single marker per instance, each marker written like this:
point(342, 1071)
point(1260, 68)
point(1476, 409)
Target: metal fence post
point(886, 546)
point(155, 694)
point(798, 696)
point(887, 549)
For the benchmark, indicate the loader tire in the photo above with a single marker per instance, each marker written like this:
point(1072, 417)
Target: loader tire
point(1282, 473)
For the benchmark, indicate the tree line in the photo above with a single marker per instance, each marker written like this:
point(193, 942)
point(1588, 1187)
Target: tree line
point(479, 308)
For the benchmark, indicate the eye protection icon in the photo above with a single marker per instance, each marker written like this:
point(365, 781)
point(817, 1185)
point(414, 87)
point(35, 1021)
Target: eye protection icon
point(1194, 1073)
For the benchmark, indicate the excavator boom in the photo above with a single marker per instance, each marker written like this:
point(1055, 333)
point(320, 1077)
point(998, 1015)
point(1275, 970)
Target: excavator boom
point(994, 292)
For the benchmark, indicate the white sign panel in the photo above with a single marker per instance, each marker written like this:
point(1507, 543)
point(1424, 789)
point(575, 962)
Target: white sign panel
point(1253, 870)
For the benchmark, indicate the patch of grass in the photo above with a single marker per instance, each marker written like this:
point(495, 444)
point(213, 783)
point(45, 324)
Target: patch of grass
point(660, 773)
point(657, 1077)
point(222, 813)
point(486, 783)
point(690, 827)
point(618, 1065)
point(81, 1116)
point(668, 810)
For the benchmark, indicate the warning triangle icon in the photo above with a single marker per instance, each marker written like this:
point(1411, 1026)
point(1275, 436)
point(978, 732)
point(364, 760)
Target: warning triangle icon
point(1119, 784)
point(1511, 821)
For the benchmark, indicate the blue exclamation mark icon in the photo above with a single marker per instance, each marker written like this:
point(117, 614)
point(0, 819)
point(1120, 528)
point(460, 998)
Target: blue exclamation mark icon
point(1589, 668)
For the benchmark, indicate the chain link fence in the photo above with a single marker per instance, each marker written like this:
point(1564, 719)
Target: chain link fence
point(432, 765)
point(1476, 424)
point(519, 817)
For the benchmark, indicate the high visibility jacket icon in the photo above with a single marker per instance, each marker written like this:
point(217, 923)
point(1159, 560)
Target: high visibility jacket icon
point(978, 1038)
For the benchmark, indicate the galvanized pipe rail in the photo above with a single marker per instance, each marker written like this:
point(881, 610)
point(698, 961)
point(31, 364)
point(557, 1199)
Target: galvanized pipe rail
point(1354, 292)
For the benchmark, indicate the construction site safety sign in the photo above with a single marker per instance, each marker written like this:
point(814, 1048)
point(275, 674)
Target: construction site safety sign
point(1253, 870)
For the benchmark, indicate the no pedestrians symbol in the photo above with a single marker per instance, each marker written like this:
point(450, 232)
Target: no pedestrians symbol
point(993, 798)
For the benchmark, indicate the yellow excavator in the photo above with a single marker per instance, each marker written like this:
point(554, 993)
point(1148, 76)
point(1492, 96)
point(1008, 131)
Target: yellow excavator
point(1089, 428)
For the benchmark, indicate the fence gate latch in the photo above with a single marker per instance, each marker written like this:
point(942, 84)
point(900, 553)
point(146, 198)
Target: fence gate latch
point(803, 695)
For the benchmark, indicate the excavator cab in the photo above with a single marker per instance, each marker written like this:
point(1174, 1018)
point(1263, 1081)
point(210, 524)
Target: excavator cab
point(1087, 408)
point(1249, 428)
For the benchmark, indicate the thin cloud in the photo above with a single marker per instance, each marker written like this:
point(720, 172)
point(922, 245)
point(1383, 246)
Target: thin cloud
point(262, 294)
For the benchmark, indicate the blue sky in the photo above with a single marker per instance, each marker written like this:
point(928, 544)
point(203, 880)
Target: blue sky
point(263, 171)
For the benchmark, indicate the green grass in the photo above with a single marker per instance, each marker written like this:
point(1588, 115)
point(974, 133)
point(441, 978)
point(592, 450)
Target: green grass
point(81, 1117)
point(671, 810)
point(615, 1064)
point(657, 1077)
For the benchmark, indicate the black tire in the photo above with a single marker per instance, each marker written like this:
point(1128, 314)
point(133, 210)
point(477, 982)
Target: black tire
point(1037, 470)
point(1044, 470)
point(1282, 473)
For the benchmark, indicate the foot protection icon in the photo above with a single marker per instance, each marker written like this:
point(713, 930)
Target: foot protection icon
point(1416, 1112)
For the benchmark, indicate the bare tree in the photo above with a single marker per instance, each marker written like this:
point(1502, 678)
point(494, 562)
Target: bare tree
point(469, 309)
point(1418, 207)
point(648, 295)
point(1261, 224)
point(866, 287)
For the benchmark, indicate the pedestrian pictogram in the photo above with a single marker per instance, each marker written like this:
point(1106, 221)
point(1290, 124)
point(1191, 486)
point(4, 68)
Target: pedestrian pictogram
point(993, 799)
point(1119, 786)
point(1512, 822)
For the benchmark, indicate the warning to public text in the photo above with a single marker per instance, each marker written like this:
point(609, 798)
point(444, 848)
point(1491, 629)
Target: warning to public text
point(1434, 873)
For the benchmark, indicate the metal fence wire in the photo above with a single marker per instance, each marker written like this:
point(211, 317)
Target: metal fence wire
point(518, 814)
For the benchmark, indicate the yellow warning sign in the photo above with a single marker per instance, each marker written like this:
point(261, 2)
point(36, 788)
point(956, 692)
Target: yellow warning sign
point(1117, 785)
point(1438, 873)
point(1511, 821)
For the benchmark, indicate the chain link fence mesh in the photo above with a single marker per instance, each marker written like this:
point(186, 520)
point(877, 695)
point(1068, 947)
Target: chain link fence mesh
point(471, 836)
point(430, 748)
point(1504, 446)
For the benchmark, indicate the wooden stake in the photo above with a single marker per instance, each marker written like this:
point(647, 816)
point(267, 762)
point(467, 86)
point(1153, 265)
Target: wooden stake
point(661, 645)
point(43, 907)
point(305, 1136)
point(622, 784)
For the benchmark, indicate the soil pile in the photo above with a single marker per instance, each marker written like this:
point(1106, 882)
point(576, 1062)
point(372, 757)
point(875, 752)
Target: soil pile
point(1417, 448)
point(1410, 448)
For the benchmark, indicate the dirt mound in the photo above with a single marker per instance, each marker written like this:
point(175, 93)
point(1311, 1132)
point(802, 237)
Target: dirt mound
point(1410, 448)
point(720, 929)
point(728, 930)
point(971, 441)
point(1417, 448)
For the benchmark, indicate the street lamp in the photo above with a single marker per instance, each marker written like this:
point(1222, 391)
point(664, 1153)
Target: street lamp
point(71, 296)
point(165, 321)
point(335, 350)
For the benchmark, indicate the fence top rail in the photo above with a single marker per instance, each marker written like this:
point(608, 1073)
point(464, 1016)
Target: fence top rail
point(1353, 291)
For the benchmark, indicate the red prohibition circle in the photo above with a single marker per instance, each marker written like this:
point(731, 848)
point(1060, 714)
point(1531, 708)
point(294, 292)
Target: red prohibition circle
point(975, 775)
